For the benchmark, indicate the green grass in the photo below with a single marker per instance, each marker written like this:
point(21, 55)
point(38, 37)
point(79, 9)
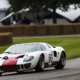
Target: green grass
point(70, 44)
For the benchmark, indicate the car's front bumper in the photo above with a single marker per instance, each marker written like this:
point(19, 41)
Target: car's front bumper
point(11, 68)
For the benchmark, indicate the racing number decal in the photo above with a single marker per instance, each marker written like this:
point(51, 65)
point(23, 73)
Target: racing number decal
point(50, 59)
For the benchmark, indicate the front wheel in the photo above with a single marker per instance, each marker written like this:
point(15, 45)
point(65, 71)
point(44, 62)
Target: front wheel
point(62, 62)
point(40, 64)
point(0, 74)
point(20, 72)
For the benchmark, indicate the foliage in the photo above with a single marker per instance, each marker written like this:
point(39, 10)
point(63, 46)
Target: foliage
point(16, 5)
point(37, 5)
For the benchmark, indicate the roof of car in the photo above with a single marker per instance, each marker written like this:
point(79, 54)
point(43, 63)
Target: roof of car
point(30, 43)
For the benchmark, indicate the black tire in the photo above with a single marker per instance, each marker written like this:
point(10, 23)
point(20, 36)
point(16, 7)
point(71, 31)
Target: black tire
point(20, 72)
point(40, 64)
point(0, 74)
point(62, 62)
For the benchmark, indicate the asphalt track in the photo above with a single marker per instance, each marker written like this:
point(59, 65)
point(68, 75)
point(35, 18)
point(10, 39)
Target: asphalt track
point(70, 72)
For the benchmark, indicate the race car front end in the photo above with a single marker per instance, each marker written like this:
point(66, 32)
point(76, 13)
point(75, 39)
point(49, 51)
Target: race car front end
point(14, 64)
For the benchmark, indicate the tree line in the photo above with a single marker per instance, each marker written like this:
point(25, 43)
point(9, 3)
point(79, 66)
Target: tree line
point(37, 5)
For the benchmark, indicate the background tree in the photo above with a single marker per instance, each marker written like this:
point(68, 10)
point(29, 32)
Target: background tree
point(36, 6)
point(16, 5)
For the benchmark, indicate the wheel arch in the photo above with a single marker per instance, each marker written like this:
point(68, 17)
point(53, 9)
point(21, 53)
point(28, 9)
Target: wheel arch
point(38, 67)
point(60, 51)
point(62, 61)
point(63, 52)
point(42, 54)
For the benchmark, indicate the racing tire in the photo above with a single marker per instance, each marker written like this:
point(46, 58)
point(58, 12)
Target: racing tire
point(0, 74)
point(40, 64)
point(62, 62)
point(20, 72)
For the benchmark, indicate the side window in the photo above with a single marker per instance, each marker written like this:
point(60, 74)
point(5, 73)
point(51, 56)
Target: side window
point(49, 46)
point(43, 48)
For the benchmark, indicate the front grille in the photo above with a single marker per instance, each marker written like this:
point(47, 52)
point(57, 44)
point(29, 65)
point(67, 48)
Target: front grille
point(9, 68)
point(27, 65)
point(14, 67)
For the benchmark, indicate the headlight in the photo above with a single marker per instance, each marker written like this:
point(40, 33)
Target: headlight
point(28, 58)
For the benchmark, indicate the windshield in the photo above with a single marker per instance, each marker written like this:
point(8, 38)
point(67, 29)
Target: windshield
point(23, 48)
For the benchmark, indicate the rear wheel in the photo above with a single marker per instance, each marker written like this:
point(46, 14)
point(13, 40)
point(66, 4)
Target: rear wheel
point(62, 62)
point(40, 65)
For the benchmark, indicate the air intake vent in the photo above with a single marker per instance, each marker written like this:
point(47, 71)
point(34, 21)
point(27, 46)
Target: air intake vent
point(5, 57)
point(55, 54)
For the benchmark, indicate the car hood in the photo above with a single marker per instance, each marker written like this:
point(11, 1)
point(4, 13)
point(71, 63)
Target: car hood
point(4, 56)
point(19, 55)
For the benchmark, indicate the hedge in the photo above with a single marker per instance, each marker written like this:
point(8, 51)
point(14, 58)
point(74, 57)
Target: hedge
point(6, 38)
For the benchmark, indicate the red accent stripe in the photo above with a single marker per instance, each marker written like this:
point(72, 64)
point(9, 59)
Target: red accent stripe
point(10, 61)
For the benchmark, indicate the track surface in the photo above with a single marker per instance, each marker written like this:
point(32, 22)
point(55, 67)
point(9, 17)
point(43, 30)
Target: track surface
point(70, 72)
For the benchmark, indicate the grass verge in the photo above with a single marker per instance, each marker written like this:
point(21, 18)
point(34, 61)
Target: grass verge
point(70, 43)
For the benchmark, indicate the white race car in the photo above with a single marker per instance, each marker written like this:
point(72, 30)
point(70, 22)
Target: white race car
point(28, 56)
